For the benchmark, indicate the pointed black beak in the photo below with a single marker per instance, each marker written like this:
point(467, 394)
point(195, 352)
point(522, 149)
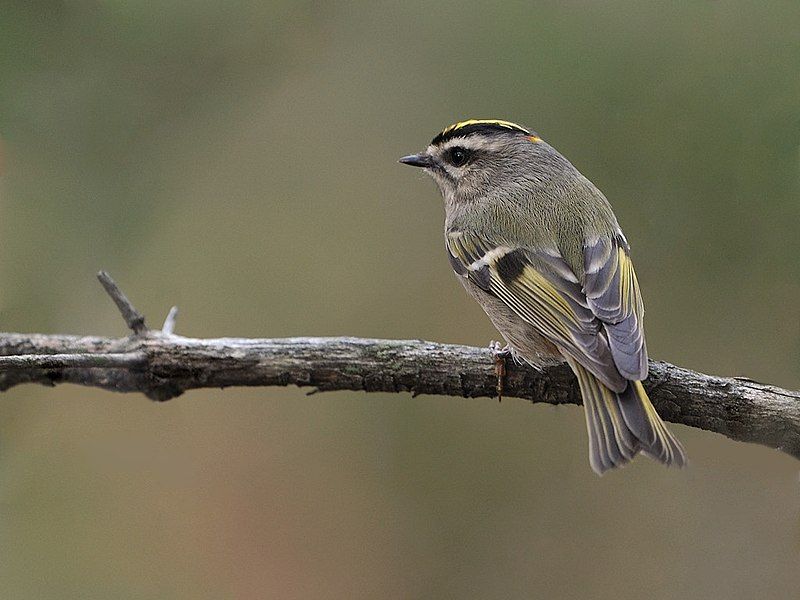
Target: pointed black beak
point(418, 160)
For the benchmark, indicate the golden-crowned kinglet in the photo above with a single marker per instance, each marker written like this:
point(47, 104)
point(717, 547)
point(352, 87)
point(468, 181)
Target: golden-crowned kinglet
point(538, 246)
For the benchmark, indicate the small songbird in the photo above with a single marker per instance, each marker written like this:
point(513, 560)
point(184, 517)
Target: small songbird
point(538, 246)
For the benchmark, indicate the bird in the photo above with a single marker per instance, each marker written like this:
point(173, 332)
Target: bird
point(538, 246)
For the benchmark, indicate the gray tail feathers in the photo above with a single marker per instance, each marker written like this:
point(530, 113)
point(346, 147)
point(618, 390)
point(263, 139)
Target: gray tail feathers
point(623, 424)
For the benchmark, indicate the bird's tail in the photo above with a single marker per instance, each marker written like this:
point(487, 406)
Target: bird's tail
point(623, 424)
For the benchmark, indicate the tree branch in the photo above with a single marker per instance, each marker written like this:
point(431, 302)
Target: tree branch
point(133, 318)
point(163, 366)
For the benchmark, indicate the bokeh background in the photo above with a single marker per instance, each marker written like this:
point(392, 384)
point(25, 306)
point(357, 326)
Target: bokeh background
point(238, 159)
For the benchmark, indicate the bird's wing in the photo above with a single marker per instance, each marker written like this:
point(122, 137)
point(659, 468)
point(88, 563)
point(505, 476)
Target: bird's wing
point(612, 293)
point(589, 321)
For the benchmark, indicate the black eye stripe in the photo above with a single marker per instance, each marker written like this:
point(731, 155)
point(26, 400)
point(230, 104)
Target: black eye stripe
point(458, 156)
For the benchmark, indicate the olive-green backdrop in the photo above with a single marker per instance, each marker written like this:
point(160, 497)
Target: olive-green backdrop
point(239, 159)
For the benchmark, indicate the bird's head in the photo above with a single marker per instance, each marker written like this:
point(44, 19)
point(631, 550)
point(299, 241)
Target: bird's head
point(478, 157)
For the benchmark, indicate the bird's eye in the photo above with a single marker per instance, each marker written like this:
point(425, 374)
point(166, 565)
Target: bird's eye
point(458, 156)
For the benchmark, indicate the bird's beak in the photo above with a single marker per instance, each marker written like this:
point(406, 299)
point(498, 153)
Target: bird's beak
point(418, 160)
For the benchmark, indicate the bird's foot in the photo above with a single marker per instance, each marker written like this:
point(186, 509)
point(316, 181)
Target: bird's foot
point(500, 354)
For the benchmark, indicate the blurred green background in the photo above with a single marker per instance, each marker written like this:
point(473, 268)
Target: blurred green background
point(238, 159)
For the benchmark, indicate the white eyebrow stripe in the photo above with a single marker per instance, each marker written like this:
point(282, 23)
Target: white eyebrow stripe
point(472, 142)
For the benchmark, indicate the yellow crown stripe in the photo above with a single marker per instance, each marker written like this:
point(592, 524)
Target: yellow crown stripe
point(498, 122)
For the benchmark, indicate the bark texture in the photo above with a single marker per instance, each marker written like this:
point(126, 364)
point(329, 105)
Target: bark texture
point(162, 366)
